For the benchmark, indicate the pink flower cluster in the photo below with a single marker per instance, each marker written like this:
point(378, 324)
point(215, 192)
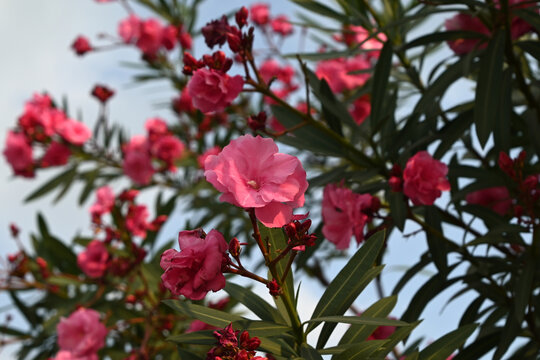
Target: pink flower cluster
point(345, 214)
point(43, 125)
point(271, 70)
point(210, 88)
point(251, 173)
point(339, 73)
point(359, 36)
point(160, 146)
point(150, 35)
point(80, 336)
point(197, 268)
point(260, 15)
point(467, 22)
point(424, 179)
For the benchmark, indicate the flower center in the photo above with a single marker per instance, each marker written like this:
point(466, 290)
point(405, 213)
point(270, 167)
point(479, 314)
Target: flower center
point(253, 184)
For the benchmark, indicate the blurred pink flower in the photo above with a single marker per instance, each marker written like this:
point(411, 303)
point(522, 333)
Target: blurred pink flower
point(337, 72)
point(93, 260)
point(212, 91)
point(496, 198)
point(81, 333)
point(18, 153)
point(260, 13)
point(74, 132)
point(424, 178)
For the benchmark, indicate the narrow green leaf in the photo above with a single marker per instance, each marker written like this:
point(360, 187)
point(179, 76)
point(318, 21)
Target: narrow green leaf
point(208, 315)
point(380, 85)
point(398, 208)
point(27, 311)
point(254, 303)
point(363, 320)
point(479, 347)
point(204, 337)
point(51, 184)
point(489, 90)
point(276, 346)
point(446, 345)
point(309, 353)
point(425, 259)
point(437, 248)
point(399, 334)
point(263, 328)
point(321, 9)
point(440, 37)
point(358, 333)
point(360, 351)
point(501, 123)
point(343, 290)
point(13, 332)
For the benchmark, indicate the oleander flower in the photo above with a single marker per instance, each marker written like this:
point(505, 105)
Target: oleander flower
point(212, 90)
point(137, 163)
point(93, 260)
point(496, 198)
point(252, 174)
point(81, 333)
point(339, 73)
point(424, 178)
point(18, 153)
point(260, 13)
point(57, 154)
point(345, 214)
point(68, 355)
point(104, 201)
point(196, 268)
point(74, 132)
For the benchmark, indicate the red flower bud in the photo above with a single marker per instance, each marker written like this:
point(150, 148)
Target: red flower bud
point(396, 184)
point(14, 230)
point(274, 288)
point(81, 45)
point(234, 247)
point(241, 17)
point(102, 93)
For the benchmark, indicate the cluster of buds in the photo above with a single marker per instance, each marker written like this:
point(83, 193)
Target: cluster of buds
point(297, 232)
point(217, 61)
point(274, 288)
point(230, 346)
point(257, 122)
point(217, 32)
point(102, 93)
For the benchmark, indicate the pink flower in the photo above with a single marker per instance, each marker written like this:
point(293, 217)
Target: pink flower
point(74, 132)
point(345, 214)
point(424, 178)
point(183, 103)
point(104, 201)
point(39, 119)
point(252, 174)
point(201, 159)
point(468, 23)
point(168, 149)
point(150, 36)
point(382, 333)
point(213, 91)
point(260, 13)
point(354, 35)
point(18, 154)
point(169, 36)
point(81, 333)
point(137, 162)
point(156, 128)
point(81, 45)
point(68, 355)
point(269, 69)
point(57, 154)
point(93, 260)
point(337, 72)
point(196, 268)
point(281, 25)
point(136, 220)
point(361, 109)
point(496, 198)
point(129, 29)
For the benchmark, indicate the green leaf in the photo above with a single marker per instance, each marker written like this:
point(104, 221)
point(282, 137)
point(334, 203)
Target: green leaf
point(357, 333)
point(204, 337)
point(363, 320)
point(63, 280)
point(254, 303)
point(425, 259)
point(397, 336)
point(263, 328)
point(489, 90)
point(309, 353)
point(531, 47)
point(52, 184)
point(446, 345)
point(380, 85)
point(344, 289)
point(398, 208)
point(321, 9)
point(27, 311)
point(479, 347)
point(360, 351)
point(452, 131)
point(276, 346)
point(205, 314)
point(438, 249)
point(440, 37)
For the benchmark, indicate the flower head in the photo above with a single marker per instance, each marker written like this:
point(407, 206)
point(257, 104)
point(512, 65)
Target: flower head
point(251, 173)
point(424, 178)
point(81, 333)
point(212, 90)
point(93, 260)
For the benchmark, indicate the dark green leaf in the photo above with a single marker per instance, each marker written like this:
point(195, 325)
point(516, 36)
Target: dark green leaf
point(489, 90)
point(208, 315)
point(398, 208)
point(380, 85)
point(309, 353)
point(360, 351)
point(321, 9)
point(439, 37)
point(254, 303)
point(446, 345)
point(52, 184)
point(205, 337)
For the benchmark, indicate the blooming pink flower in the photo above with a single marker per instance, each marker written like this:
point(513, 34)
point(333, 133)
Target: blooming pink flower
point(196, 268)
point(468, 23)
point(129, 29)
point(39, 119)
point(137, 162)
point(150, 36)
point(104, 201)
point(260, 13)
point(156, 128)
point(18, 154)
point(201, 159)
point(169, 37)
point(213, 91)
point(81, 333)
point(355, 35)
point(281, 25)
point(168, 149)
point(424, 178)
point(183, 103)
point(361, 109)
point(57, 154)
point(252, 174)
point(81, 45)
point(344, 214)
point(74, 132)
point(136, 220)
point(496, 198)
point(68, 355)
point(93, 260)
point(337, 72)
point(269, 69)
